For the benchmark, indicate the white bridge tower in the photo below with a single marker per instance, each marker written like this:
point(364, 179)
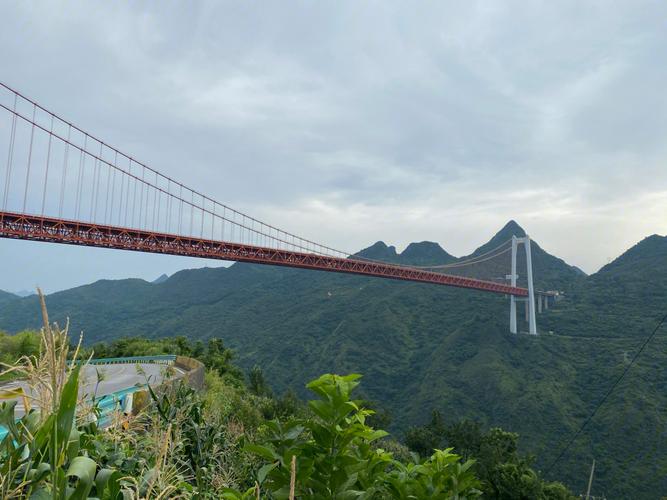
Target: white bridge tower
point(532, 323)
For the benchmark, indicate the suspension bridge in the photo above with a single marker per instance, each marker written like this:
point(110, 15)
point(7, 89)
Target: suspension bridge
point(64, 185)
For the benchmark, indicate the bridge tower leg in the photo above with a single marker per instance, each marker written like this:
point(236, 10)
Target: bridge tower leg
point(530, 300)
point(532, 323)
point(513, 282)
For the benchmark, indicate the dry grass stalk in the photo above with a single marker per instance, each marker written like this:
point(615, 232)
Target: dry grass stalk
point(47, 373)
point(133, 491)
point(7, 487)
point(161, 461)
point(292, 480)
point(165, 475)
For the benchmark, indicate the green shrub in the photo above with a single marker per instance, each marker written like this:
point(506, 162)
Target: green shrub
point(332, 455)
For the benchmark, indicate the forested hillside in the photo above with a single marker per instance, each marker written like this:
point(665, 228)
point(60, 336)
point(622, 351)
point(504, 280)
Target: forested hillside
point(7, 297)
point(226, 436)
point(423, 347)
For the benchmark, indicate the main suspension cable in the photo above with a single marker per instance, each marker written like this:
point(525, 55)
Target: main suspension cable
point(473, 260)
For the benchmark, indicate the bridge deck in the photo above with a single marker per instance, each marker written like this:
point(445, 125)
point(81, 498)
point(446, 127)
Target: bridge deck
point(47, 229)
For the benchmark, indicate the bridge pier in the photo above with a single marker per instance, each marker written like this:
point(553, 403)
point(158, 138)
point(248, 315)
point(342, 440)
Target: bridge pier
point(530, 300)
point(532, 321)
point(513, 277)
point(539, 303)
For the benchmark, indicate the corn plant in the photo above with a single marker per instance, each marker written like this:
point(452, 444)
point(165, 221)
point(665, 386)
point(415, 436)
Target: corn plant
point(204, 452)
point(40, 456)
point(44, 454)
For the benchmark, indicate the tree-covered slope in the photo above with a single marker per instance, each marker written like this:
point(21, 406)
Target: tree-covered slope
point(422, 347)
point(7, 297)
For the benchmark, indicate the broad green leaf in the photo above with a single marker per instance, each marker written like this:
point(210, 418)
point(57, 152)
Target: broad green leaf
point(83, 469)
point(39, 473)
point(264, 470)
point(108, 479)
point(263, 451)
point(40, 493)
point(8, 420)
point(67, 409)
point(294, 432)
point(73, 444)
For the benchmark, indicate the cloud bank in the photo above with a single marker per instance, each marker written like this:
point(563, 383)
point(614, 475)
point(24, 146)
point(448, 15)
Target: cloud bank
point(350, 122)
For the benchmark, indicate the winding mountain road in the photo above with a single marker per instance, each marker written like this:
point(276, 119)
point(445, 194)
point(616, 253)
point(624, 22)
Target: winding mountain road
point(114, 378)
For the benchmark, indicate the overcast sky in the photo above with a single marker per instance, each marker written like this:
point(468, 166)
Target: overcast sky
point(351, 122)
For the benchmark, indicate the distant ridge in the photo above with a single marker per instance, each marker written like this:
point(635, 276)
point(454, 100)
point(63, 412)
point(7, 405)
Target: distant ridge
point(425, 253)
point(161, 279)
point(379, 251)
point(6, 297)
point(651, 251)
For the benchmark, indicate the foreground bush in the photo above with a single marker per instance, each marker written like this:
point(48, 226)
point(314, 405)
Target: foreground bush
point(503, 472)
point(331, 455)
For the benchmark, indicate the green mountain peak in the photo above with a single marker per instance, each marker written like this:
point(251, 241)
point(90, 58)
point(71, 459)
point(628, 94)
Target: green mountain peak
point(425, 253)
point(379, 251)
point(649, 252)
point(512, 228)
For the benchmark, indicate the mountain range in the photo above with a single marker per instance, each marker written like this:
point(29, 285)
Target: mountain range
point(423, 347)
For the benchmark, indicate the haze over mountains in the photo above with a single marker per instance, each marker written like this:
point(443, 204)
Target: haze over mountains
point(423, 347)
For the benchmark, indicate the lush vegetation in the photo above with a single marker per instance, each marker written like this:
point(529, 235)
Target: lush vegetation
point(502, 470)
point(233, 441)
point(423, 347)
point(12, 347)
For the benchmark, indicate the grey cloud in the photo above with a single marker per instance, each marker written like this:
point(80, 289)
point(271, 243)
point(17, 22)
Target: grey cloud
point(446, 115)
